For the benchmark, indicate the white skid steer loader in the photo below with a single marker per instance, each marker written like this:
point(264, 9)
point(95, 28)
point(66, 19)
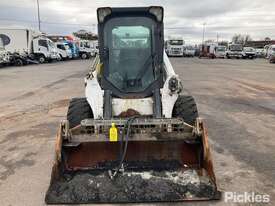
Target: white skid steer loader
point(135, 137)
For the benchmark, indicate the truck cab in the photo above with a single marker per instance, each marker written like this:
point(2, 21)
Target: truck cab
point(86, 49)
point(174, 46)
point(220, 51)
point(44, 49)
point(63, 50)
point(189, 51)
point(74, 48)
point(234, 51)
point(249, 53)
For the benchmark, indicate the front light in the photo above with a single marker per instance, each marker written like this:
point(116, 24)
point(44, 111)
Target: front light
point(102, 13)
point(173, 84)
point(157, 11)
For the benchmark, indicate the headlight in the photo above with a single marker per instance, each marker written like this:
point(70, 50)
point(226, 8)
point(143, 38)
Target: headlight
point(102, 13)
point(173, 84)
point(157, 11)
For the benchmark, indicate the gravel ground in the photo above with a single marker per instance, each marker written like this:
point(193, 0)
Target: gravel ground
point(235, 97)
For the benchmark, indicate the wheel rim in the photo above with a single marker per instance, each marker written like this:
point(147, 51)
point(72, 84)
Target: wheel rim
point(84, 56)
point(19, 62)
point(41, 60)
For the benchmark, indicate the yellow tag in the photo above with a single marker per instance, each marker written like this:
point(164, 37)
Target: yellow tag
point(113, 133)
point(99, 67)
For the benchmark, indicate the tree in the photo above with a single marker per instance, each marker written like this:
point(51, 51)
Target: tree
point(241, 39)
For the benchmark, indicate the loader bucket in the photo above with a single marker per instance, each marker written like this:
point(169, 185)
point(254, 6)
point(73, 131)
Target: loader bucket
point(172, 163)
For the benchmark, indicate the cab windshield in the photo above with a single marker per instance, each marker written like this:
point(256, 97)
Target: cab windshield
point(221, 49)
point(248, 49)
point(190, 48)
point(130, 53)
point(176, 42)
point(235, 47)
point(67, 47)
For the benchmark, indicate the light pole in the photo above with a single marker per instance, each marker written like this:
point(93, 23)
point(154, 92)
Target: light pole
point(38, 15)
point(203, 32)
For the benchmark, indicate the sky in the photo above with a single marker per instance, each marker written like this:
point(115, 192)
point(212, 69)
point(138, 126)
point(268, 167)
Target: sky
point(222, 18)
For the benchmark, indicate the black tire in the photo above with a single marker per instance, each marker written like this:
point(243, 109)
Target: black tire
point(41, 59)
point(79, 109)
point(84, 56)
point(19, 62)
point(186, 108)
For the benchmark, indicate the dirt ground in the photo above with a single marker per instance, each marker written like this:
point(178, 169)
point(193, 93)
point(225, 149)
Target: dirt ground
point(235, 97)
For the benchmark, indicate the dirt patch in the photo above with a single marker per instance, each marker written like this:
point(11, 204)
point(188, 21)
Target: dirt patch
point(130, 187)
point(77, 75)
point(60, 103)
point(253, 86)
point(44, 130)
point(11, 166)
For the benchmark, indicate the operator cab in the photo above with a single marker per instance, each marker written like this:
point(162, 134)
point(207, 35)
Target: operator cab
point(131, 50)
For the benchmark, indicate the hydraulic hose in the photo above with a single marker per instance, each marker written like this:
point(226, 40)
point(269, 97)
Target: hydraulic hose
point(123, 154)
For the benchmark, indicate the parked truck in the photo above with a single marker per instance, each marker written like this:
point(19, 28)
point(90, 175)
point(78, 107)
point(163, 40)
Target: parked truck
point(249, 53)
point(220, 51)
point(234, 51)
point(26, 45)
point(85, 49)
point(189, 51)
point(74, 48)
point(63, 50)
point(174, 46)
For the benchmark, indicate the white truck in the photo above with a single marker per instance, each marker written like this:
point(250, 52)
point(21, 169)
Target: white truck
point(85, 49)
point(174, 46)
point(220, 51)
point(234, 51)
point(4, 55)
point(25, 45)
point(249, 53)
point(189, 51)
point(63, 50)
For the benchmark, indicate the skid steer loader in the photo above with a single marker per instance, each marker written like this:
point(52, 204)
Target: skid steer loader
point(135, 137)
